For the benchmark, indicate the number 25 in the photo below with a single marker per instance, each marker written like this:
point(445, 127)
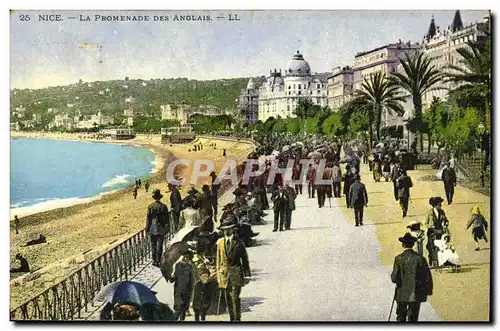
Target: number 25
point(24, 18)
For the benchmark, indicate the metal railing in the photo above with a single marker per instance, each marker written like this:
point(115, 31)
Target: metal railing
point(67, 299)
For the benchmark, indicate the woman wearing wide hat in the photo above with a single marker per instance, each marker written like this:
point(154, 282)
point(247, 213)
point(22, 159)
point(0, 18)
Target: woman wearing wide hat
point(415, 229)
point(436, 224)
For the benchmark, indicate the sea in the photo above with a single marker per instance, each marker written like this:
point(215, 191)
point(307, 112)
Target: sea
point(47, 174)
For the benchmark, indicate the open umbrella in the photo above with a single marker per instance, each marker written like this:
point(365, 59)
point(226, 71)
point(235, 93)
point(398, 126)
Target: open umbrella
point(170, 256)
point(185, 234)
point(126, 292)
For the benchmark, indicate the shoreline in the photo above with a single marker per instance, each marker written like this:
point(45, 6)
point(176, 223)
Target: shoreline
point(54, 204)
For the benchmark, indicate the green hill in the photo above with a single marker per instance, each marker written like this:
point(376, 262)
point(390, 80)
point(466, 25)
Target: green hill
point(110, 96)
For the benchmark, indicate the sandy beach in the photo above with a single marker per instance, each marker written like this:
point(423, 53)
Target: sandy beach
point(109, 218)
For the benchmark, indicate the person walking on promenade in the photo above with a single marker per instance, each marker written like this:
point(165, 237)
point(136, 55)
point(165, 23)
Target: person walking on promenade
point(224, 152)
point(337, 179)
point(157, 223)
point(325, 190)
point(233, 267)
point(479, 226)
point(183, 279)
point(395, 173)
point(297, 170)
point(449, 178)
point(348, 180)
point(279, 202)
point(413, 280)
point(207, 202)
point(404, 183)
point(436, 224)
point(377, 168)
point(201, 293)
point(16, 224)
point(358, 199)
point(415, 229)
point(146, 186)
point(175, 205)
point(311, 178)
point(289, 207)
point(215, 187)
point(134, 192)
point(139, 183)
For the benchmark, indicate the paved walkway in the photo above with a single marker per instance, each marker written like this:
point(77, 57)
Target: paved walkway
point(324, 269)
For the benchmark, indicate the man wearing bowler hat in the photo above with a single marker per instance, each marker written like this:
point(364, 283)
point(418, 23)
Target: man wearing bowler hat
point(413, 280)
point(175, 204)
point(157, 226)
point(233, 268)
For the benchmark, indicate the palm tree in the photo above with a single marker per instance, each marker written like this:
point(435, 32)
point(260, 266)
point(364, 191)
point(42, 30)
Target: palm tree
point(473, 74)
point(419, 76)
point(378, 93)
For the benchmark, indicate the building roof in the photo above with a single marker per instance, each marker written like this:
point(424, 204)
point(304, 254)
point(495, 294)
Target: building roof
point(298, 66)
point(457, 22)
point(251, 84)
point(431, 32)
point(399, 44)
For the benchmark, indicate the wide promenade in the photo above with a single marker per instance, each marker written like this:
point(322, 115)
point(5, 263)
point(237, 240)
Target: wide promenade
point(324, 269)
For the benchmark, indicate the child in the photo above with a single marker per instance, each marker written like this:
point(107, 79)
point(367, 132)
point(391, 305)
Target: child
point(446, 254)
point(417, 232)
point(479, 226)
point(201, 297)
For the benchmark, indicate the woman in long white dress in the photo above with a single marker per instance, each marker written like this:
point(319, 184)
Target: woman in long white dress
point(446, 252)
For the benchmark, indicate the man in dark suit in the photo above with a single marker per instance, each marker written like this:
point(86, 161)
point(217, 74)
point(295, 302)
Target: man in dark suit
point(404, 183)
point(395, 173)
point(449, 178)
point(279, 201)
point(413, 280)
point(157, 225)
point(289, 207)
point(207, 201)
point(348, 179)
point(358, 199)
point(233, 267)
point(175, 205)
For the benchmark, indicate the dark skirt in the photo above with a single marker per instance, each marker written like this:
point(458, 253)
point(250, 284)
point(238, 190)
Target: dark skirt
point(478, 233)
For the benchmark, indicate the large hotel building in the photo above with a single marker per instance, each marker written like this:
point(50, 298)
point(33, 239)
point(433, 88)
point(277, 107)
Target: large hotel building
point(279, 93)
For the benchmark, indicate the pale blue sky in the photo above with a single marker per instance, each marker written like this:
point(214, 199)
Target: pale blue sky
point(48, 53)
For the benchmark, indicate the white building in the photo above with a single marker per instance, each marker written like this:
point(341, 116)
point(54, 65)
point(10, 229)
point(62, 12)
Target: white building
point(280, 94)
point(340, 87)
point(129, 112)
point(37, 118)
point(248, 104)
point(441, 45)
point(182, 113)
point(63, 121)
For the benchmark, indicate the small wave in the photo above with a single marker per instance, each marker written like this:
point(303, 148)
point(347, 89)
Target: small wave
point(118, 179)
point(22, 211)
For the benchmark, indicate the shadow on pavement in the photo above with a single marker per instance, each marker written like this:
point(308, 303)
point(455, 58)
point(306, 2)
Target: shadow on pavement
point(311, 228)
point(263, 242)
point(382, 223)
point(249, 302)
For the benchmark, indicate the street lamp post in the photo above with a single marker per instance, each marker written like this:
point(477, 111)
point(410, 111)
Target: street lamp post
point(481, 131)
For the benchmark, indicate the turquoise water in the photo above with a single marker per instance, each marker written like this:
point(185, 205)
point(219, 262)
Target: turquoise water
point(44, 170)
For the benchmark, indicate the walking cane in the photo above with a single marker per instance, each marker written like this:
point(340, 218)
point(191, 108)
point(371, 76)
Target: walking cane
point(330, 202)
point(220, 297)
point(392, 305)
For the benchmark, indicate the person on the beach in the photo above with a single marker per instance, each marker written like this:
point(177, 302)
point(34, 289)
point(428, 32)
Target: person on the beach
point(224, 152)
point(24, 264)
point(134, 192)
point(146, 186)
point(479, 226)
point(16, 224)
point(41, 240)
point(157, 226)
point(140, 183)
